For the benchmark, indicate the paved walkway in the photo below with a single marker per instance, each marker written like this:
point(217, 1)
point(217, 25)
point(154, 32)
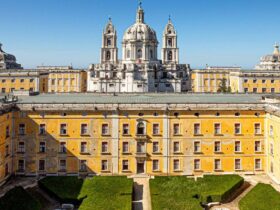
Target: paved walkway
point(141, 196)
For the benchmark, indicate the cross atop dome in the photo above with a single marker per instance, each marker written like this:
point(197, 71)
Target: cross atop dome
point(140, 4)
point(140, 13)
point(276, 49)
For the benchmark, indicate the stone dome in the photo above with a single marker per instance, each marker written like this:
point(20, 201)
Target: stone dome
point(8, 61)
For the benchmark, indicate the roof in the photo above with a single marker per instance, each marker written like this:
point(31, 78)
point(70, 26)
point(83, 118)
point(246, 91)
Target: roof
point(151, 98)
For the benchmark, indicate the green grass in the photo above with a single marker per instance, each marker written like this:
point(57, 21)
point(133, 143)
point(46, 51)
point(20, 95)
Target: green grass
point(180, 193)
point(108, 193)
point(261, 197)
point(17, 198)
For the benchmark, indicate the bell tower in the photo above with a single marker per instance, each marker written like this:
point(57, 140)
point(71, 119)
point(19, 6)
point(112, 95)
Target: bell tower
point(109, 50)
point(170, 50)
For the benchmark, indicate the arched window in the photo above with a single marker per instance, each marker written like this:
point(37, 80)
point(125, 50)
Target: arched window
point(108, 55)
point(140, 128)
point(151, 54)
point(109, 42)
point(128, 53)
point(139, 53)
point(170, 32)
point(170, 56)
point(169, 42)
point(109, 31)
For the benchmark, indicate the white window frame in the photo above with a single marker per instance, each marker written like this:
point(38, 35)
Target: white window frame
point(107, 150)
point(59, 149)
point(66, 129)
point(260, 132)
point(194, 129)
point(127, 165)
point(219, 133)
point(220, 168)
point(220, 143)
point(128, 129)
point(260, 146)
point(86, 148)
point(197, 141)
point(179, 143)
point(82, 129)
point(158, 129)
point(194, 164)
point(23, 165)
point(158, 167)
point(240, 129)
point(128, 147)
point(158, 148)
point(235, 146)
point(238, 169)
point(107, 165)
point(260, 164)
point(179, 129)
point(179, 165)
point(108, 129)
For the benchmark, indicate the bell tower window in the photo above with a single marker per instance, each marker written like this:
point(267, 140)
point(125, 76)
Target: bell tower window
point(151, 54)
point(139, 53)
point(170, 56)
point(109, 42)
point(169, 42)
point(128, 53)
point(108, 55)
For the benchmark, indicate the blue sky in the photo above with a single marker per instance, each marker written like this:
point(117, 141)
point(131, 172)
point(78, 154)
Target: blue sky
point(214, 32)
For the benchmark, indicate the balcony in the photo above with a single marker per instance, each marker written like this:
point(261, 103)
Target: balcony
point(141, 155)
point(143, 137)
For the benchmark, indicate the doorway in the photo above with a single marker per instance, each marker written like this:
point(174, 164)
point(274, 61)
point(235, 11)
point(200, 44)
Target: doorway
point(140, 167)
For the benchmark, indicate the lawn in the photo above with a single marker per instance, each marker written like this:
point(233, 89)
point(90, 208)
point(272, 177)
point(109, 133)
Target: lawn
point(261, 197)
point(181, 193)
point(17, 198)
point(93, 193)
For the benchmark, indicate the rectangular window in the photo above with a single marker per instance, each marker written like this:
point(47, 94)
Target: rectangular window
point(196, 164)
point(257, 128)
point(217, 165)
point(272, 81)
point(258, 164)
point(3, 90)
point(263, 81)
point(22, 80)
point(258, 146)
point(83, 147)
point(246, 90)
point(237, 128)
point(63, 129)
point(62, 165)
point(125, 129)
point(42, 129)
point(254, 81)
point(105, 129)
point(84, 129)
point(7, 150)
point(237, 146)
point(41, 165)
point(271, 130)
point(176, 165)
point(237, 164)
point(255, 90)
point(83, 165)
point(7, 132)
point(196, 129)
point(125, 147)
point(197, 147)
point(125, 165)
point(264, 90)
point(21, 165)
point(271, 149)
point(141, 147)
point(42, 147)
point(21, 147)
point(217, 146)
point(217, 128)
point(21, 130)
point(104, 148)
point(245, 80)
point(176, 147)
point(155, 129)
point(176, 129)
point(62, 147)
point(155, 165)
point(272, 90)
point(104, 165)
point(155, 147)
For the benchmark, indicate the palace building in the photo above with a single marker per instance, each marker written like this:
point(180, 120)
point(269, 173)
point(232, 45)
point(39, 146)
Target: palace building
point(140, 69)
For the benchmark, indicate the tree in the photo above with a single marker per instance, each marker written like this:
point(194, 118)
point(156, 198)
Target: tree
point(223, 88)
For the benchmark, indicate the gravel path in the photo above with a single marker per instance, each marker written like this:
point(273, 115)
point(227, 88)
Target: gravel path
point(141, 197)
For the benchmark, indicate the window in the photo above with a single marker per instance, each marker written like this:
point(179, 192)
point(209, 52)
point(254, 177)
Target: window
point(237, 164)
point(125, 147)
point(196, 164)
point(104, 165)
point(42, 147)
point(176, 129)
point(196, 129)
point(7, 131)
point(42, 129)
point(272, 90)
point(271, 167)
point(53, 81)
point(21, 129)
point(263, 81)
point(258, 146)
point(21, 147)
point(246, 90)
point(245, 80)
point(176, 165)
point(271, 149)
point(254, 81)
point(258, 164)
point(3, 90)
point(217, 165)
point(271, 130)
point(62, 147)
point(237, 128)
point(105, 129)
point(257, 128)
point(176, 147)
point(197, 147)
point(217, 146)
point(62, 165)
point(155, 165)
point(155, 129)
point(108, 55)
point(13, 80)
point(263, 90)
point(139, 53)
point(169, 42)
point(7, 150)
point(109, 42)
point(272, 81)
point(104, 147)
point(63, 129)
point(217, 128)
point(141, 147)
point(237, 146)
point(125, 129)
point(41, 165)
point(170, 56)
point(31, 80)
point(83, 165)
point(128, 53)
point(155, 147)
point(255, 90)
point(21, 166)
point(140, 128)
point(22, 80)
point(125, 165)
point(83, 147)
point(84, 129)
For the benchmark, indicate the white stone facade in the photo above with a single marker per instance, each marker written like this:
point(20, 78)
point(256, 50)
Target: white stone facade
point(140, 70)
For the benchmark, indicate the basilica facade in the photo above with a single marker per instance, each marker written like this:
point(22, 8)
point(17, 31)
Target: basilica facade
point(140, 69)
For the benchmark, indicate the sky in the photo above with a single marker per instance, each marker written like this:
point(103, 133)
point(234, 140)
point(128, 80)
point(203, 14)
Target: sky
point(210, 32)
